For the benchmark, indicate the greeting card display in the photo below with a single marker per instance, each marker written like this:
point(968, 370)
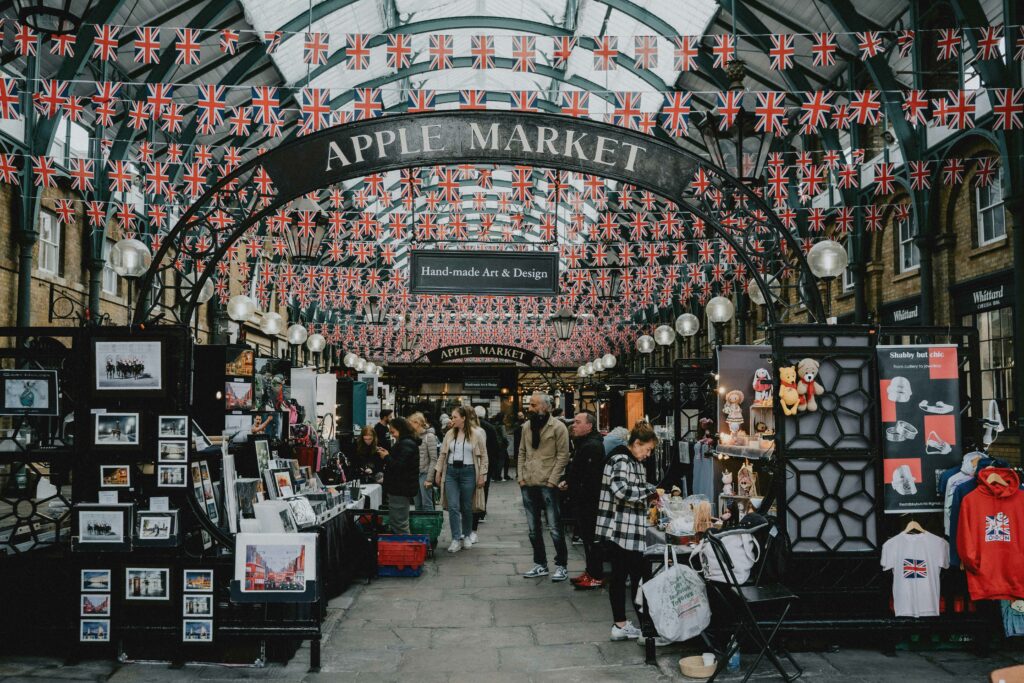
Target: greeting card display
point(128, 366)
point(274, 568)
point(29, 392)
point(102, 527)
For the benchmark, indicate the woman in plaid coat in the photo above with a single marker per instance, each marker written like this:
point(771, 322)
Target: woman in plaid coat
point(622, 520)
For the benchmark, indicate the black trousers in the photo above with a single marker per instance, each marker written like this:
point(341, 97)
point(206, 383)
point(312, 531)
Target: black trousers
point(593, 549)
point(625, 564)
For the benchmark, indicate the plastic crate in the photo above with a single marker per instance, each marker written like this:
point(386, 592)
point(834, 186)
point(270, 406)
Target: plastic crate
point(426, 523)
point(400, 554)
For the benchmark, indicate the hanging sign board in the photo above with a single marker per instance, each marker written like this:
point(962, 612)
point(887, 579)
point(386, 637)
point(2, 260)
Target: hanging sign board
point(513, 353)
point(984, 293)
point(483, 272)
point(905, 312)
point(480, 384)
point(920, 405)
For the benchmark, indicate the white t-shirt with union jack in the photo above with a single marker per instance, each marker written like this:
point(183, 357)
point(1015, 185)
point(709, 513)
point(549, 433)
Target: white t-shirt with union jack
point(915, 561)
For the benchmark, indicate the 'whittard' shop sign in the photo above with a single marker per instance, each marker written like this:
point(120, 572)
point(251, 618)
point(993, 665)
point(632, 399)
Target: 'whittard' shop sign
point(483, 272)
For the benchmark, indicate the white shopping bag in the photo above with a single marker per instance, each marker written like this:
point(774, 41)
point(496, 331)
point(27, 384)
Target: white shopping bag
point(677, 600)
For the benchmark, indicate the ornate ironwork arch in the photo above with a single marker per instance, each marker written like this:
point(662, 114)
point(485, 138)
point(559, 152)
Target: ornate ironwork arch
point(720, 202)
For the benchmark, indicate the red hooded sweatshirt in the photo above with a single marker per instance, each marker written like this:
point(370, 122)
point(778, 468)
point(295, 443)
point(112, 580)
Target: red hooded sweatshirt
point(990, 539)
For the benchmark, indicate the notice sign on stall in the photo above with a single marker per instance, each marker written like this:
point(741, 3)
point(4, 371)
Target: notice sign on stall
point(483, 272)
point(920, 402)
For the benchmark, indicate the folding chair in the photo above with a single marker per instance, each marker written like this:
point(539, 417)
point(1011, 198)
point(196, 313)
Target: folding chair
point(748, 599)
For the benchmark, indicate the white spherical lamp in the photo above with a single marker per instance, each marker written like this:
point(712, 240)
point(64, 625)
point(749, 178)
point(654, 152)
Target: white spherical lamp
point(316, 343)
point(272, 324)
point(360, 364)
point(664, 335)
point(590, 368)
point(297, 334)
point(370, 367)
point(609, 360)
point(599, 364)
point(687, 324)
point(720, 309)
point(757, 296)
point(130, 258)
point(827, 259)
point(645, 344)
point(349, 359)
point(581, 371)
point(188, 286)
point(241, 308)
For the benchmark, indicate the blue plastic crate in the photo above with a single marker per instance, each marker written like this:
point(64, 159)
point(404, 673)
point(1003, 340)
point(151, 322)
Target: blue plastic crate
point(399, 571)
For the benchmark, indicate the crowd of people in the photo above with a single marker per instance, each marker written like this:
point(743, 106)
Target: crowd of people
point(602, 477)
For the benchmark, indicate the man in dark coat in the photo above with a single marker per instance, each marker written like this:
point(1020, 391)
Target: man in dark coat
point(492, 454)
point(584, 480)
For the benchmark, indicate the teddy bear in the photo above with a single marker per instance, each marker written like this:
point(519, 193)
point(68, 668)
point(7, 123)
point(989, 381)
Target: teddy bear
point(734, 410)
point(762, 385)
point(788, 395)
point(808, 386)
point(727, 483)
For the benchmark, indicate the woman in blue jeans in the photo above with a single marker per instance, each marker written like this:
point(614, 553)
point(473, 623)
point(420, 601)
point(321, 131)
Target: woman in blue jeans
point(462, 466)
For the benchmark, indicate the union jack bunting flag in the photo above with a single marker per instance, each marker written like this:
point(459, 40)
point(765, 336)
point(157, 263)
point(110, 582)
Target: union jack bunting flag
point(10, 105)
point(675, 113)
point(684, 54)
point(147, 45)
point(398, 51)
point(440, 51)
point(824, 49)
point(357, 50)
point(524, 100)
point(524, 53)
point(915, 569)
point(229, 41)
point(105, 43)
point(369, 103)
point(314, 48)
point(482, 50)
point(63, 44)
point(314, 110)
point(1008, 107)
point(420, 101)
point(562, 50)
point(187, 46)
point(605, 52)
point(472, 99)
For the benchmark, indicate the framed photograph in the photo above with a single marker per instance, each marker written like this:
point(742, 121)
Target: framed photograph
point(268, 424)
point(197, 606)
point(172, 451)
point(198, 581)
point(272, 380)
point(128, 366)
point(116, 429)
point(237, 427)
point(266, 564)
point(103, 524)
point(302, 510)
point(172, 476)
point(96, 580)
point(156, 526)
point(199, 439)
point(146, 583)
point(197, 630)
point(238, 395)
point(95, 605)
point(262, 447)
point(116, 476)
point(238, 361)
point(29, 392)
point(275, 517)
point(283, 483)
point(94, 631)
point(172, 427)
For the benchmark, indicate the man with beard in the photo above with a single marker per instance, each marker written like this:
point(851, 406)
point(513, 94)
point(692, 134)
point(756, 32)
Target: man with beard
point(543, 455)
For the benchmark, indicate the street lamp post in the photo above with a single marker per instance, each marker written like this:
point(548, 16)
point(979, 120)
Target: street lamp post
point(720, 311)
point(827, 260)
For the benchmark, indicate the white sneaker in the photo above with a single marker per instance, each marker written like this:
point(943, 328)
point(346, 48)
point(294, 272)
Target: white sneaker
point(627, 632)
point(467, 542)
point(456, 546)
point(472, 537)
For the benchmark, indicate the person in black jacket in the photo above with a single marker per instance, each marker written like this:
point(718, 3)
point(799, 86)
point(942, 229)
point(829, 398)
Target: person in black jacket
point(401, 474)
point(492, 454)
point(584, 483)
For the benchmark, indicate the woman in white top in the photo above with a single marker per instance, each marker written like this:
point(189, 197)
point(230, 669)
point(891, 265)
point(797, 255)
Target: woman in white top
point(462, 466)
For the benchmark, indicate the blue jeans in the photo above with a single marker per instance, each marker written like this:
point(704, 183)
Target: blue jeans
point(425, 498)
point(535, 498)
point(459, 487)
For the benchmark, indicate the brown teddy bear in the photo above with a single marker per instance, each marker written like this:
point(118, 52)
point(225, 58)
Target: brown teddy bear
point(788, 395)
point(807, 386)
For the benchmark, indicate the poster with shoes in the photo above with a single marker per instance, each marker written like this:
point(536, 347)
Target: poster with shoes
point(920, 402)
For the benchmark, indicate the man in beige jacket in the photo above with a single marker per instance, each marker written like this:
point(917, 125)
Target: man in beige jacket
point(543, 455)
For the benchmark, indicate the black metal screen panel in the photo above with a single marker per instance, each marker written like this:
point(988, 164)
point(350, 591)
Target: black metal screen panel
point(831, 505)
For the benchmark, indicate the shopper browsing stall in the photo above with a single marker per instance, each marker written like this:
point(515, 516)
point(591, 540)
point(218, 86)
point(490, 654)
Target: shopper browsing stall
point(428, 460)
point(462, 467)
point(622, 520)
point(401, 473)
point(366, 462)
point(584, 478)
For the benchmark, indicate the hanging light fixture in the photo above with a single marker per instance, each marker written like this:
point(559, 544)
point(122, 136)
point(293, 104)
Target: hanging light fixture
point(130, 258)
point(664, 335)
point(720, 310)
point(581, 371)
point(188, 285)
point(349, 359)
point(687, 324)
point(53, 17)
point(306, 233)
point(645, 344)
point(738, 149)
point(360, 364)
point(609, 360)
point(241, 308)
point(564, 323)
point(608, 282)
point(599, 364)
point(316, 343)
point(757, 296)
point(374, 310)
point(297, 334)
point(827, 259)
point(271, 323)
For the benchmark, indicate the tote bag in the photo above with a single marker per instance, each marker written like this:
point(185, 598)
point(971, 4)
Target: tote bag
point(677, 600)
point(742, 550)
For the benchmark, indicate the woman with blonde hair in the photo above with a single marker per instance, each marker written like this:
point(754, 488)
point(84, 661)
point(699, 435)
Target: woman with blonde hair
point(462, 467)
point(428, 460)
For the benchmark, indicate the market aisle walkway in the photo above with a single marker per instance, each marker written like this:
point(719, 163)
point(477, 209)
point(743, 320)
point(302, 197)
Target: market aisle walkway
point(471, 617)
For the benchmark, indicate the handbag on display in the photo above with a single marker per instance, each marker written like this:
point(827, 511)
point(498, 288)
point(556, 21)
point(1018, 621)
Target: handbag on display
point(677, 600)
point(742, 550)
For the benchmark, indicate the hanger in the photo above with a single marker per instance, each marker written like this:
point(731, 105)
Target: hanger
point(995, 478)
point(914, 526)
